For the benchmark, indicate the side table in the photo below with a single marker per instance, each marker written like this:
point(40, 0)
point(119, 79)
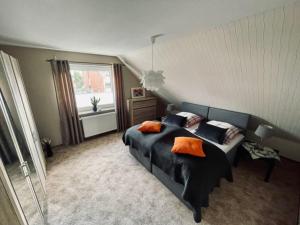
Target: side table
point(252, 151)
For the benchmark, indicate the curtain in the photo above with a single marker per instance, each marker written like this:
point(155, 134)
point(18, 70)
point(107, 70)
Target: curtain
point(69, 120)
point(120, 104)
point(7, 148)
point(7, 151)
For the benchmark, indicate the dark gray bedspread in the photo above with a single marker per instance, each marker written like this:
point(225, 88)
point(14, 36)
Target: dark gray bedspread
point(198, 175)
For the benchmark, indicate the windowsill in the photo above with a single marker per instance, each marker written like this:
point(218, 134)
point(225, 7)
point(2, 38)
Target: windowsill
point(92, 113)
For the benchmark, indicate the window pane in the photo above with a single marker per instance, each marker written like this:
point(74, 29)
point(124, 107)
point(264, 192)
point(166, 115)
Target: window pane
point(92, 82)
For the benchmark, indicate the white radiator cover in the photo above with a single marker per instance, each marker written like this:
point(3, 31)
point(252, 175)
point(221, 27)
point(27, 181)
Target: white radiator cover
point(98, 124)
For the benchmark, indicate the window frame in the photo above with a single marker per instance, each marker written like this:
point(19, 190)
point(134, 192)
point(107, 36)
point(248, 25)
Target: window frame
point(95, 67)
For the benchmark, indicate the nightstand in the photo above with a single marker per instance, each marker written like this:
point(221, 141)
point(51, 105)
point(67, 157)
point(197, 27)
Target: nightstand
point(251, 151)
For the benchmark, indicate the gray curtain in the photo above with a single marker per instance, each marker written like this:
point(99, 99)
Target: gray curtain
point(7, 148)
point(120, 104)
point(7, 151)
point(69, 120)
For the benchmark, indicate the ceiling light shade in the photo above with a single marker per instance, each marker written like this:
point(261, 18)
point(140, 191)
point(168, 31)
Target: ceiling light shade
point(153, 80)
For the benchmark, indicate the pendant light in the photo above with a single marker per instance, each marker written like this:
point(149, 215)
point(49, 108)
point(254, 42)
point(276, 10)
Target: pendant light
point(153, 80)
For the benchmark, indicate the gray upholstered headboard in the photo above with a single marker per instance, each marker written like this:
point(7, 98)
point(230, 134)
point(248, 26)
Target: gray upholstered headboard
point(201, 110)
point(235, 118)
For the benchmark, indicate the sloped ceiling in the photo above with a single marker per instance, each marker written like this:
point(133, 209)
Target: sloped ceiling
point(114, 27)
point(250, 65)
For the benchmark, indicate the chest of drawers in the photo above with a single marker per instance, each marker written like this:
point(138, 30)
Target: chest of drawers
point(141, 109)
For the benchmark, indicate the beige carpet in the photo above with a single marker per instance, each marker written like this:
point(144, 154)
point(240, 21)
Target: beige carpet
point(100, 183)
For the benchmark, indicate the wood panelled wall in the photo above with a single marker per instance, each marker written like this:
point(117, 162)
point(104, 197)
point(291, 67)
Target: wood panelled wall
point(250, 65)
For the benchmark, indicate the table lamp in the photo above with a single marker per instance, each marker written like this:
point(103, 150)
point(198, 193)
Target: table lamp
point(170, 108)
point(264, 132)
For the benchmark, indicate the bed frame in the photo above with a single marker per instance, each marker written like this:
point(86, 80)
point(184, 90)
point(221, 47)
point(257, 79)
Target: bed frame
point(236, 118)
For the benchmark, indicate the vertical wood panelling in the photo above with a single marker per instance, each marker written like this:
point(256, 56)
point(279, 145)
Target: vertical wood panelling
point(250, 65)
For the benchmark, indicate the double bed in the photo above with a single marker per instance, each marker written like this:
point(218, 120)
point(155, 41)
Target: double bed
point(190, 178)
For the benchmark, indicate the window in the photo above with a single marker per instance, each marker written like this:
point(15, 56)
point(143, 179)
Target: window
point(91, 80)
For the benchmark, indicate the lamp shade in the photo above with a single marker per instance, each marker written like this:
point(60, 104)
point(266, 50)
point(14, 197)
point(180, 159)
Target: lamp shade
point(170, 107)
point(152, 80)
point(264, 131)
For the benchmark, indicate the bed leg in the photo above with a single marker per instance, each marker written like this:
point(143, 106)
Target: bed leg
point(197, 216)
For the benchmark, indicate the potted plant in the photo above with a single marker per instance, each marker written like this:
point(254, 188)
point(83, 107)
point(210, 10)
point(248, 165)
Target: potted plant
point(46, 142)
point(94, 102)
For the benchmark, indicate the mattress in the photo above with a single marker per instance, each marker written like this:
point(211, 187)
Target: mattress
point(226, 147)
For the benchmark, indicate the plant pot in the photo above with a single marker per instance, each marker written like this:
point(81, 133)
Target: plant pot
point(48, 150)
point(95, 108)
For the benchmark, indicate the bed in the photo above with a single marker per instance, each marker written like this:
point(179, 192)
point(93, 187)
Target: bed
point(181, 173)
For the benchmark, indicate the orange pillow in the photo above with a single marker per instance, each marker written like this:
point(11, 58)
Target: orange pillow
point(150, 127)
point(188, 145)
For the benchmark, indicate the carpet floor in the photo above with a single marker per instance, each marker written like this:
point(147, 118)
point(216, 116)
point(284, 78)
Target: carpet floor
point(99, 183)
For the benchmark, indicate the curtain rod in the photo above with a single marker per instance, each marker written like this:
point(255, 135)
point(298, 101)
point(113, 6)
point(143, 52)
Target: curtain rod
point(49, 60)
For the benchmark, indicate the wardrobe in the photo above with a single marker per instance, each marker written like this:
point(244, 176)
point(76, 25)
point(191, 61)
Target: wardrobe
point(22, 163)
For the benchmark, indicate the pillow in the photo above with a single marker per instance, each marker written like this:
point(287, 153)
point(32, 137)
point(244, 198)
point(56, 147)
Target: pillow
point(220, 124)
point(150, 127)
point(175, 120)
point(192, 118)
point(211, 132)
point(188, 145)
point(230, 133)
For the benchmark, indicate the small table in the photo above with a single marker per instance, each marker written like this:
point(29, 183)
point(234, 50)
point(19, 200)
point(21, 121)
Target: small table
point(253, 151)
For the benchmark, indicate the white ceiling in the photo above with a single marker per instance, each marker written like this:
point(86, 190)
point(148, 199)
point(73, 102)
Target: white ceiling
point(114, 27)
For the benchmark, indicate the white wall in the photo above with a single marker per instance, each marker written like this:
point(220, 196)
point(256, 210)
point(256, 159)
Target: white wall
point(251, 65)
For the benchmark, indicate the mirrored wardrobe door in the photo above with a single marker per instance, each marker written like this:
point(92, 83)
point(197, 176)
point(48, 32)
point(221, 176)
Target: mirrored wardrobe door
point(10, 206)
point(15, 117)
point(23, 118)
point(16, 168)
point(35, 159)
point(29, 114)
point(16, 106)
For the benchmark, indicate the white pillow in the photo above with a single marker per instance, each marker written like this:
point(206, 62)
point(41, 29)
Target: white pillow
point(220, 124)
point(191, 118)
point(188, 115)
point(231, 132)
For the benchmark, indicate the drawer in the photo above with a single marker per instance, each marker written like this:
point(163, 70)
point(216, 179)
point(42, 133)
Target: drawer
point(144, 111)
point(142, 104)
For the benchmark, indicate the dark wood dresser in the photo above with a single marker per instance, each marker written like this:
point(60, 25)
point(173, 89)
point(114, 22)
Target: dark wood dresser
point(141, 109)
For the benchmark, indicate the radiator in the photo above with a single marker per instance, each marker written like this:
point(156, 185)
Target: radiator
point(98, 124)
